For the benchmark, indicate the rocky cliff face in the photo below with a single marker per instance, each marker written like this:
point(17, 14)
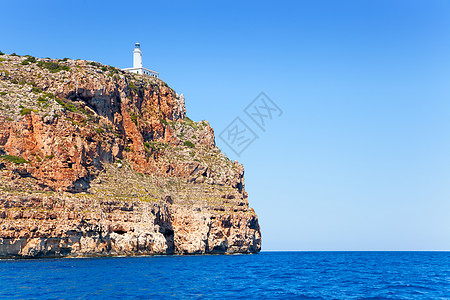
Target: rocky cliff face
point(96, 161)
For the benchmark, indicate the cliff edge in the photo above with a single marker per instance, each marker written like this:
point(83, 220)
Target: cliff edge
point(97, 161)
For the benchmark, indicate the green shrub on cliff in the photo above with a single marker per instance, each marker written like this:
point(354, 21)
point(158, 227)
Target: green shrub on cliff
point(154, 146)
point(67, 105)
point(133, 87)
point(28, 60)
point(53, 66)
point(26, 111)
point(133, 118)
point(36, 90)
point(189, 144)
point(114, 70)
point(42, 100)
point(14, 159)
point(189, 122)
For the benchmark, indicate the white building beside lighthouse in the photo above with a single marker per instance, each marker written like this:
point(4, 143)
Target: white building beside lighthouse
point(137, 64)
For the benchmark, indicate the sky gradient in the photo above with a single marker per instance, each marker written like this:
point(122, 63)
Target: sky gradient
point(360, 157)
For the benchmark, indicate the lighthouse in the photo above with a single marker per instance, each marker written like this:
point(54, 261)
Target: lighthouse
point(137, 64)
point(137, 56)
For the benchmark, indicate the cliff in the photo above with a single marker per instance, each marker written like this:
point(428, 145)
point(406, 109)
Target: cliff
point(96, 161)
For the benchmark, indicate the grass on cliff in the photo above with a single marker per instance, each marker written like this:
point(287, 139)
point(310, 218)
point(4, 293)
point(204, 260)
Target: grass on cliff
point(14, 159)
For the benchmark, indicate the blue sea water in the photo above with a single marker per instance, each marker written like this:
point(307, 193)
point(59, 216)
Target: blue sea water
point(267, 275)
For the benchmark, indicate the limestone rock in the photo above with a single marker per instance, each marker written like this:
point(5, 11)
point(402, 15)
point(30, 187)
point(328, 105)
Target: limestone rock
point(96, 161)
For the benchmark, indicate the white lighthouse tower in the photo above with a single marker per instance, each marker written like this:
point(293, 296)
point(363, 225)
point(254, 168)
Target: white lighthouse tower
point(137, 56)
point(137, 64)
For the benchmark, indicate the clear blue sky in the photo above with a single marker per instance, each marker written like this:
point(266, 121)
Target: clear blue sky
point(360, 159)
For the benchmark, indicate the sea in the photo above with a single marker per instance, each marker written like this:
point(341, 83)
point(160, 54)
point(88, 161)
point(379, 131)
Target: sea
point(267, 275)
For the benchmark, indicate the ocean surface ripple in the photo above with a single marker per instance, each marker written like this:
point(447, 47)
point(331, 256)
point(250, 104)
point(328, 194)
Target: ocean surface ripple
point(268, 275)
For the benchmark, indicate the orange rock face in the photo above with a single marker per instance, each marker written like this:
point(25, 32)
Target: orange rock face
point(95, 161)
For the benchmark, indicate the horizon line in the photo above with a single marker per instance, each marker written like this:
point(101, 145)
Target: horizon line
point(355, 251)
